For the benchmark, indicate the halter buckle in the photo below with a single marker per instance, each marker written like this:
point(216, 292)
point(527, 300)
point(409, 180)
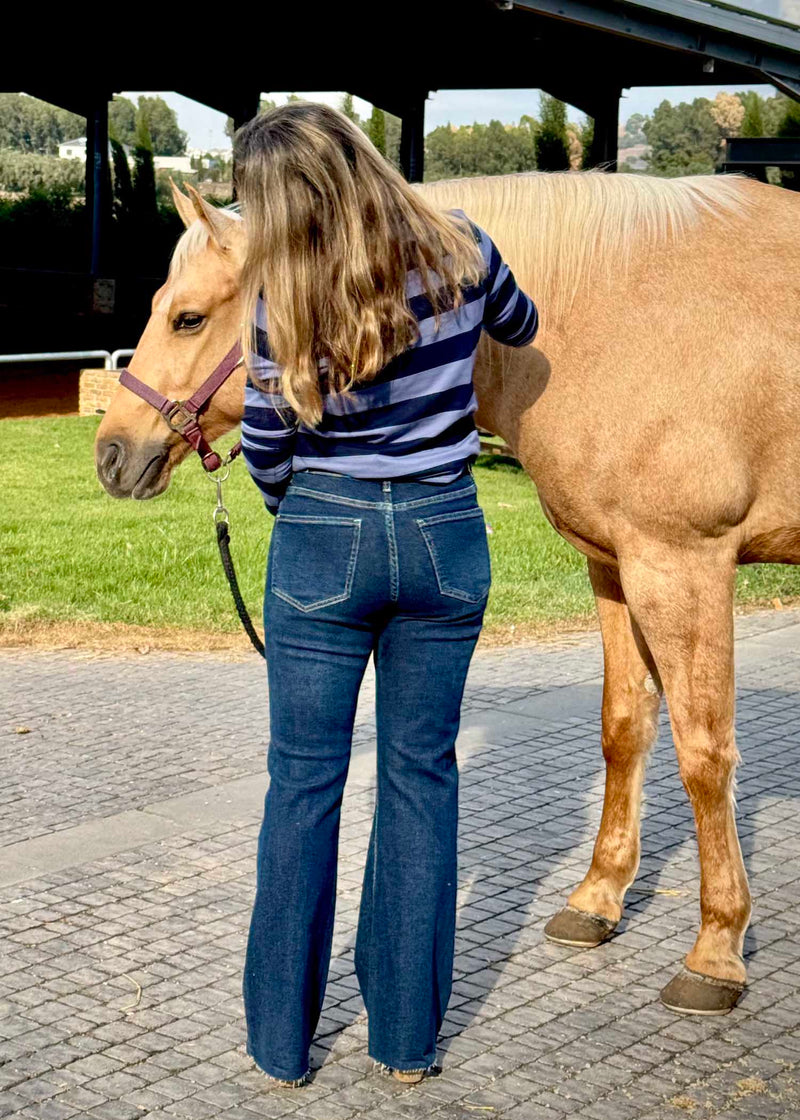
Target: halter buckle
point(178, 416)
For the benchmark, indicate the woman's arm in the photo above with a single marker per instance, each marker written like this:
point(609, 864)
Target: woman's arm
point(510, 316)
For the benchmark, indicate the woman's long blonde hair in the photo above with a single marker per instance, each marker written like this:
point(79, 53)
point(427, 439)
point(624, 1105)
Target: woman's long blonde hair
point(332, 232)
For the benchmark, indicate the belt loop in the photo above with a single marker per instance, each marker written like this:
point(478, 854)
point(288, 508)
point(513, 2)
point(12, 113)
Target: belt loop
point(386, 486)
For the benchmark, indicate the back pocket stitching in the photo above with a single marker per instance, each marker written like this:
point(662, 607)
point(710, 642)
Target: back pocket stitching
point(349, 522)
point(423, 523)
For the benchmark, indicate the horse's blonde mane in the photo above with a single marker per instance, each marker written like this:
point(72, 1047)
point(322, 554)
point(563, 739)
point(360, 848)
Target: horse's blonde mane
point(559, 229)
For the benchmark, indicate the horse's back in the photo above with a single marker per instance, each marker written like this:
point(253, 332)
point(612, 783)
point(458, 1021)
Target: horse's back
point(670, 401)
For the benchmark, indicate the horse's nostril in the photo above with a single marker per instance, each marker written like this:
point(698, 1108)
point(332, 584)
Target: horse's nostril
point(111, 461)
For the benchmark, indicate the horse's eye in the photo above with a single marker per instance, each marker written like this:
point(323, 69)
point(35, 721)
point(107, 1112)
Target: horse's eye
point(188, 321)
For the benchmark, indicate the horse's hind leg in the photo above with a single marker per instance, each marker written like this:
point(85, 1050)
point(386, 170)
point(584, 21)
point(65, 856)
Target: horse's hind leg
point(683, 602)
point(631, 698)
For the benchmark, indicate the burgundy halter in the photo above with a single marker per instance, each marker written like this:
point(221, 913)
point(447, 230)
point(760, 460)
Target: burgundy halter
point(183, 416)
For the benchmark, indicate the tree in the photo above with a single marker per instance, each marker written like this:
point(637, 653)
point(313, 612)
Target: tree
point(587, 142)
point(30, 125)
point(346, 106)
point(790, 126)
point(162, 125)
point(122, 120)
point(753, 121)
point(683, 139)
point(634, 136)
point(728, 111)
point(377, 129)
point(552, 145)
point(575, 145)
point(143, 194)
point(394, 127)
point(123, 186)
point(28, 173)
point(773, 111)
point(790, 123)
point(480, 149)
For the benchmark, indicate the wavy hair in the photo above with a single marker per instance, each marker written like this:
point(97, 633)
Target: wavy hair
point(332, 232)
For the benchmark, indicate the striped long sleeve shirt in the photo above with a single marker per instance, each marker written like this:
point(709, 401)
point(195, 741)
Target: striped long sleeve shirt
point(414, 419)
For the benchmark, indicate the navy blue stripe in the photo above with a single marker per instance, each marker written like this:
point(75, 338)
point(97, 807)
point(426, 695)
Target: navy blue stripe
point(401, 412)
point(419, 359)
point(518, 318)
point(309, 447)
point(422, 308)
point(444, 468)
point(499, 300)
point(533, 327)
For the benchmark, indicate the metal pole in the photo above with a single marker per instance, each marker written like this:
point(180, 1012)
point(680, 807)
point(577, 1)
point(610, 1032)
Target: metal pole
point(605, 146)
point(248, 108)
point(97, 124)
point(412, 138)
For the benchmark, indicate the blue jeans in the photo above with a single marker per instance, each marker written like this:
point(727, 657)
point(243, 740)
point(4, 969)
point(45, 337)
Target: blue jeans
point(399, 570)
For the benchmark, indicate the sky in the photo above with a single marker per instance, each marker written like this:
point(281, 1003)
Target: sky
point(206, 128)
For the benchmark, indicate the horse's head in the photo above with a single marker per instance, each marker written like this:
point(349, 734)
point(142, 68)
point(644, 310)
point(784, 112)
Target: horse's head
point(194, 321)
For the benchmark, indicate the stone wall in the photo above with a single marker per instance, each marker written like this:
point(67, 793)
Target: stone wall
point(95, 390)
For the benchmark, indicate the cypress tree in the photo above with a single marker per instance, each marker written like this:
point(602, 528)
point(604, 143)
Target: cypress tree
point(144, 246)
point(144, 175)
point(552, 145)
point(377, 129)
point(587, 143)
point(753, 121)
point(347, 108)
point(123, 187)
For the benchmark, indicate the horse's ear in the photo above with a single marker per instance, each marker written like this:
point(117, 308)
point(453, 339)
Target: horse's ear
point(183, 204)
point(217, 221)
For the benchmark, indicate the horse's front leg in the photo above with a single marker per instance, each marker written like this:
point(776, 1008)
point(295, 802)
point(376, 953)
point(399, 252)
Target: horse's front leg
point(631, 698)
point(683, 602)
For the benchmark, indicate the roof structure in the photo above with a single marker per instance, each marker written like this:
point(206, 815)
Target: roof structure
point(583, 51)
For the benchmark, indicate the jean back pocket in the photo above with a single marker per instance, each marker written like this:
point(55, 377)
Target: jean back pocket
point(459, 552)
point(313, 559)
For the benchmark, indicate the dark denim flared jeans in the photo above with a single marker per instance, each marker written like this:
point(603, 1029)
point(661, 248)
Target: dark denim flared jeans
point(399, 571)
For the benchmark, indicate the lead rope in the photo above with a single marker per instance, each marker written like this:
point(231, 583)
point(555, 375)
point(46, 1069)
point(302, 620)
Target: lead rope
point(222, 523)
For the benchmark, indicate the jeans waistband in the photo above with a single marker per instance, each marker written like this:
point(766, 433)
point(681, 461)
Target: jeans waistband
point(366, 492)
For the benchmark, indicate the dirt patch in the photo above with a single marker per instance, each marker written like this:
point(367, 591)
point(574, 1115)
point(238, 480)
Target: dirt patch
point(119, 637)
point(37, 390)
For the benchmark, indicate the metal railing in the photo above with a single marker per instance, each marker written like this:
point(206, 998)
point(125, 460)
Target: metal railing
point(110, 359)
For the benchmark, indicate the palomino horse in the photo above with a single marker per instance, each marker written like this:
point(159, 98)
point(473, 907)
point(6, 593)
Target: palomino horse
point(658, 415)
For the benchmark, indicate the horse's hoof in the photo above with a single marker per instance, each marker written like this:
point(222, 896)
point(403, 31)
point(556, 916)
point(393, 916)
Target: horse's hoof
point(575, 927)
point(692, 993)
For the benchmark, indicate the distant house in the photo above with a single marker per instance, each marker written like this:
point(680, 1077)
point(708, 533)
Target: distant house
point(73, 149)
point(76, 149)
point(225, 154)
point(637, 157)
point(173, 163)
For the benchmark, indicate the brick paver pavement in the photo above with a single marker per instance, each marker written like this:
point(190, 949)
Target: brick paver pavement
point(128, 830)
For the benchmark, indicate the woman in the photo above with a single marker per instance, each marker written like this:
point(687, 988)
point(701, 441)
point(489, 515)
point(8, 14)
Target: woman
point(363, 311)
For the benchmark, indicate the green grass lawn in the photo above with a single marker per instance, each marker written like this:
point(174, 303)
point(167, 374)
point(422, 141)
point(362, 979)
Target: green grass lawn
point(71, 554)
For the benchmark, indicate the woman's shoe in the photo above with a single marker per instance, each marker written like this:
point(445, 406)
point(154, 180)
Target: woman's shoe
point(409, 1076)
point(279, 1083)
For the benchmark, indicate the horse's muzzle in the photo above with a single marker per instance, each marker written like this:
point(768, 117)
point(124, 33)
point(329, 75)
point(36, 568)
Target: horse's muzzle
point(128, 471)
